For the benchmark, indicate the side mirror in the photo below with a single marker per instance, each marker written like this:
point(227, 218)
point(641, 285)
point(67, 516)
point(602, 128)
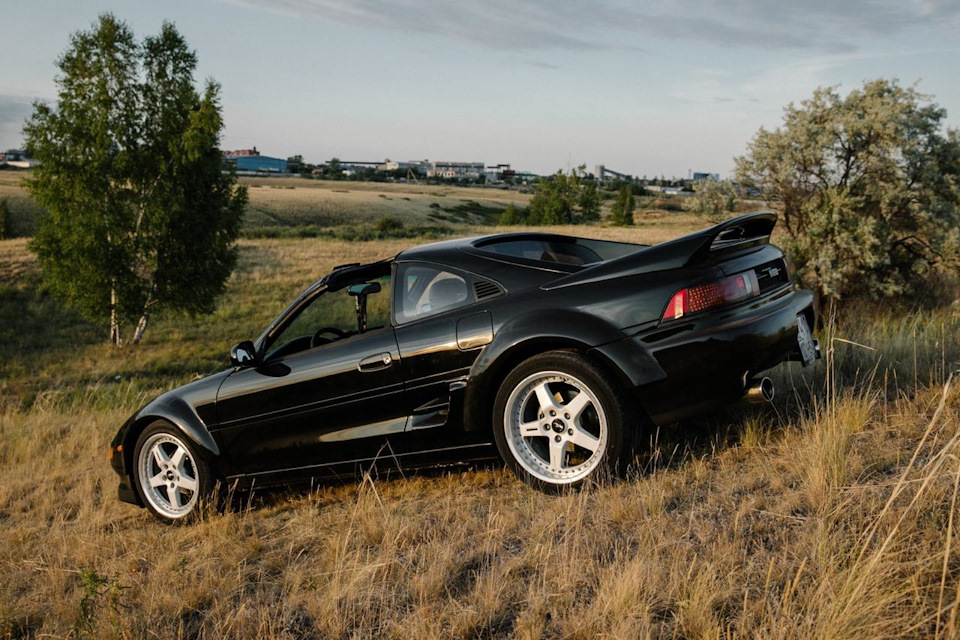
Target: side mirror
point(364, 288)
point(243, 354)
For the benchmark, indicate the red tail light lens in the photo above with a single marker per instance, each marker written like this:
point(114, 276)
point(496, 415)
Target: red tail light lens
point(706, 296)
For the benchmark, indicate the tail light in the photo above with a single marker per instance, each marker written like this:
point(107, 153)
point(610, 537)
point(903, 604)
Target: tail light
point(707, 296)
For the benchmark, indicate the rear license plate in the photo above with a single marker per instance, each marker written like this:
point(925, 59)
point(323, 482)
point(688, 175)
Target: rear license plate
point(808, 352)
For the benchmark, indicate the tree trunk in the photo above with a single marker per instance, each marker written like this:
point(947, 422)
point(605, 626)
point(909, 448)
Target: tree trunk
point(115, 336)
point(145, 315)
point(141, 327)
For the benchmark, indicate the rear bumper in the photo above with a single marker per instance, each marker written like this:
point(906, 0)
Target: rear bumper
point(707, 359)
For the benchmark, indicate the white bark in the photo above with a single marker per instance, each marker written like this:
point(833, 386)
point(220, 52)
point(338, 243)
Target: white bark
point(115, 336)
point(141, 327)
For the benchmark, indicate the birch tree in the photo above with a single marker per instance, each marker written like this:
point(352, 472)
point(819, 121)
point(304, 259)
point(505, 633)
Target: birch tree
point(140, 216)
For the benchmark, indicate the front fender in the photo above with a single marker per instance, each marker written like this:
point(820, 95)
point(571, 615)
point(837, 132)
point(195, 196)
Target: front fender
point(178, 413)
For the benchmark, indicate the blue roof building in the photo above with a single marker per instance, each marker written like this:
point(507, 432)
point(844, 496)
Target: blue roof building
point(262, 164)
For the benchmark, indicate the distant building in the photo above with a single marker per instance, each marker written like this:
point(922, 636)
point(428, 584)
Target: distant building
point(394, 165)
point(233, 155)
point(705, 176)
point(674, 191)
point(17, 158)
point(499, 172)
point(455, 170)
point(261, 164)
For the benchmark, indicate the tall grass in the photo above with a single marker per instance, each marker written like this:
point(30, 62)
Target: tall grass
point(830, 514)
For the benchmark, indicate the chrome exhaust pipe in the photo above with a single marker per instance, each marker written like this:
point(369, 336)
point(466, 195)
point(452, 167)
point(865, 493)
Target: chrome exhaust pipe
point(759, 391)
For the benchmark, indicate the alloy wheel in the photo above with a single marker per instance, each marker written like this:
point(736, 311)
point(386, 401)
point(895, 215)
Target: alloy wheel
point(555, 427)
point(169, 477)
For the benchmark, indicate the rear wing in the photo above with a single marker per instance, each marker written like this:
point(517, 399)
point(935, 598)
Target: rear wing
point(744, 231)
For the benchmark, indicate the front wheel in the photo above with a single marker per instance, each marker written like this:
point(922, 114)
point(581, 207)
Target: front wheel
point(170, 477)
point(560, 420)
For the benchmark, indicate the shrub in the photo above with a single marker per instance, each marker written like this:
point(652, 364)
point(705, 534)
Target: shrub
point(389, 225)
point(509, 216)
point(867, 186)
point(711, 200)
point(622, 211)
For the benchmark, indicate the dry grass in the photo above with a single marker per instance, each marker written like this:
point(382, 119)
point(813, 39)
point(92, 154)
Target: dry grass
point(828, 515)
point(297, 201)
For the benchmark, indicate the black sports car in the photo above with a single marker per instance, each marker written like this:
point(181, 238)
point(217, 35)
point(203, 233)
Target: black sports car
point(551, 351)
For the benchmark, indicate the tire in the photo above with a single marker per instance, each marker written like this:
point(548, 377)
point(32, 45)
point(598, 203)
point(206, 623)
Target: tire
point(172, 479)
point(553, 441)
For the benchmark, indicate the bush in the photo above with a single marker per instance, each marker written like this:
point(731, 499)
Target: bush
point(622, 212)
point(565, 198)
point(867, 189)
point(509, 216)
point(711, 200)
point(389, 226)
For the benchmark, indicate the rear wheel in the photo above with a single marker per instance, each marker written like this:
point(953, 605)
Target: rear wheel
point(171, 478)
point(559, 420)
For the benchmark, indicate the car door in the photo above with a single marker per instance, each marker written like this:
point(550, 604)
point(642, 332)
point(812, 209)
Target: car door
point(440, 332)
point(307, 407)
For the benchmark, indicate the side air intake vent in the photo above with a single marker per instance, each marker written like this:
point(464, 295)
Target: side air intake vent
point(485, 289)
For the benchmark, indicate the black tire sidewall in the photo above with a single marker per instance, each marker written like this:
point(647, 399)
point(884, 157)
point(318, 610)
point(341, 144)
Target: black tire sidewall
point(206, 482)
point(617, 407)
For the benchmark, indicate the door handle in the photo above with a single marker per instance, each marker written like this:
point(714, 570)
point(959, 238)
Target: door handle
point(374, 363)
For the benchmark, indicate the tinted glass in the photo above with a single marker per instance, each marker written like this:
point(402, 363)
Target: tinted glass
point(423, 290)
point(555, 251)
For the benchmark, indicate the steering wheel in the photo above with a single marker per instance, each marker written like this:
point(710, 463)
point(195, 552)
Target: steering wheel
point(316, 340)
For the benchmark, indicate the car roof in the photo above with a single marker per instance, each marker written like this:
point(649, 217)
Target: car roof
point(469, 254)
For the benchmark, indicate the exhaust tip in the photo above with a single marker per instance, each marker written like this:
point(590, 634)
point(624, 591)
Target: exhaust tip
point(759, 391)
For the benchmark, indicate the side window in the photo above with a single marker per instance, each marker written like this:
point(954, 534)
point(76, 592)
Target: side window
point(330, 317)
point(423, 290)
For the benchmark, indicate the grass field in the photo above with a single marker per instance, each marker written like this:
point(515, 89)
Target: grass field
point(829, 514)
point(283, 205)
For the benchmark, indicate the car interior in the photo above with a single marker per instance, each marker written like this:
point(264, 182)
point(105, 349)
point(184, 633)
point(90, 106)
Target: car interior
point(364, 306)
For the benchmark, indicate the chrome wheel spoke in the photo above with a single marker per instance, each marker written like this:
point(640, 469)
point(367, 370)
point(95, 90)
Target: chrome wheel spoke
point(160, 456)
point(173, 495)
point(558, 452)
point(575, 407)
point(546, 398)
point(583, 438)
point(177, 458)
point(158, 480)
point(188, 483)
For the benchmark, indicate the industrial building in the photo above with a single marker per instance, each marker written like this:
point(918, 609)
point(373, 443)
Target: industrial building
point(261, 164)
point(456, 170)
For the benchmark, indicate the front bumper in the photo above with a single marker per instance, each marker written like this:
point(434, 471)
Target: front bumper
point(118, 462)
point(707, 358)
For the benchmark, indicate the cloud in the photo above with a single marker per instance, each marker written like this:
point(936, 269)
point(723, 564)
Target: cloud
point(543, 65)
point(822, 25)
point(14, 110)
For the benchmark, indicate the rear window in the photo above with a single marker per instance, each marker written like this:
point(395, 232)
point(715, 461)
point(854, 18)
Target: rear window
point(577, 252)
point(546, 251)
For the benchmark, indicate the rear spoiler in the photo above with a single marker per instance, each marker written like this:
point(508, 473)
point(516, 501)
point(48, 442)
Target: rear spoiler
point(736, 233)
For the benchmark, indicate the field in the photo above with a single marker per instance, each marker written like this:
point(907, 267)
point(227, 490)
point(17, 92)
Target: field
point(829, 514)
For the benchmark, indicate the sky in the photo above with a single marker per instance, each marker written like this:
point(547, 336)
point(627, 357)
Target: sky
point(646, 88)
